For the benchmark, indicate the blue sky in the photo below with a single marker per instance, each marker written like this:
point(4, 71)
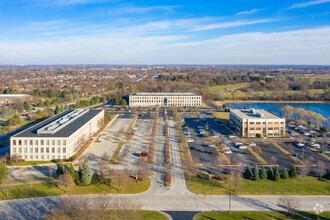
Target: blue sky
point(164, 32)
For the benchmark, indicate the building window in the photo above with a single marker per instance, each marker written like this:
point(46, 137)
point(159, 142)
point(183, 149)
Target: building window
point(25, 149)
point(31, 149)
point(25, 142)
point(42, 142)
point(64, 157)
point(270, 129)
point(37, 157)
point(251, 123)
point(41, 150)
point(25, 157)
point(258, 123)
point(64, 142)
point(47, 149)
point(47, 157)
point(36, 142)
point(31, 157)
point(31, 142)
point(58, 150)
point(36, 150)
point(53, 142)
point(58, 142)
point(58, 157)
point(14, 142)
point(14, 149)
point(19, 142)
point(64, 150)
point(53, 157)
point(282, 122)
point(53, 149)
point(19, 150)
point(270, 123)
point(42, 157)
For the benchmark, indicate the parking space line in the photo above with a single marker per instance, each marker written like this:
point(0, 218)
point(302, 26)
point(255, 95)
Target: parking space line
point(326, 156)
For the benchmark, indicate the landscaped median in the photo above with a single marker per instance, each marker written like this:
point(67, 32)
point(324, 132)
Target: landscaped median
point(310, 186)
point(264, 215)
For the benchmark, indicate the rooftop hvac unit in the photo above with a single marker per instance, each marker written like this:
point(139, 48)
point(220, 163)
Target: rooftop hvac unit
point(261, 115)
point(253, 111)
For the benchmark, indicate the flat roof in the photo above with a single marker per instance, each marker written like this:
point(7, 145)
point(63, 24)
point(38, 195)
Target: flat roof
point(165, 94)
point(247, 114)
point(65, 131)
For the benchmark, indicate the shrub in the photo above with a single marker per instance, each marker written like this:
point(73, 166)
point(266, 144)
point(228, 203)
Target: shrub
point(277, 175)
point(293, 172)
point(263, 174)
point(95, 178)
point(168, 179)
point(258, 135)
point(248, 172)
point(60, 169)
point(167, 153)
point(256, 176)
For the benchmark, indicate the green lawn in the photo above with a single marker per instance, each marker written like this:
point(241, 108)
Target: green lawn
point(223, 116)
point(50, 189)
point(223, 87)
point(259, 215)
point(121, 215)
point(311, 186)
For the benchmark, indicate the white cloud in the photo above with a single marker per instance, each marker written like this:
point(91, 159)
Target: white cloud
point(247, 12)
point(142, 10)
point(231, 24)
point(307, 4)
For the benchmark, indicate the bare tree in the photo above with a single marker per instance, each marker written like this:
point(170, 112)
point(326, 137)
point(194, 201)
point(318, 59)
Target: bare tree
point(50, 169)
point(127, 206)
point(72, 207)
point(257, 150)
point(273, 160)
point(102, 204)
point(236, 179)
point(15, 159)
point(65, 180)
point(321, 168)
point(105, 157)
point(190, 169)
point(305, 168)
point(143, 167)
point(5, 186)
point(289, 202)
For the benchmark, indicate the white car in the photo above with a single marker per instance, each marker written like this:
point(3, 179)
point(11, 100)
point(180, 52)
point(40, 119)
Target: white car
point(252, 144)
point(232, 136)
point(300, 145)
point(211, 145)
point(228, 152)
point(215, 136)
point(242, 147)
point(190, 140)
point(226, 148)
point(315, 145)
point(307, 133)
point(238, 143)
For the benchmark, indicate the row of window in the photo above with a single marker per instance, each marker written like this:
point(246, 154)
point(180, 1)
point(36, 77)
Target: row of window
point(269, 134)
point(276, 128)
point(39, 142)
point(42, 157)
point(153, 98)
point(37, 150)
point(270, 123)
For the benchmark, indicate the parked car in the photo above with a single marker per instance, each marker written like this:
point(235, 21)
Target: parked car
point(232, 136)
point(315, 145)
point(228, 151)
point(143, 154)
point(215, 136)
point(242, 147)
point(238, 143)
point(211, 145)
point(297, 155)
point(190, 140)
point(192, 148)
point(252, 144)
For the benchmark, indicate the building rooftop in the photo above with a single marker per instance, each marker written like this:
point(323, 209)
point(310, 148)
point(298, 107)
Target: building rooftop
point(64, 131)
point(255, 114)
point(164, 94)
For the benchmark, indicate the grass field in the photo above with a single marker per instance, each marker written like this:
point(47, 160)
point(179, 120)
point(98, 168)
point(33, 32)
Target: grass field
point(311, 186)
point(231, 87)
point(121, 215)
point(259, 215)
point(223, 116)
point(50, 189)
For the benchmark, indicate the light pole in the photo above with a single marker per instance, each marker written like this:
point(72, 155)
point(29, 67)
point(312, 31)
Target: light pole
point(229, 198)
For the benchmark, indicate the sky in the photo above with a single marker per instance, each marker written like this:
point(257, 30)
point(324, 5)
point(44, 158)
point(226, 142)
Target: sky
point(165, 32)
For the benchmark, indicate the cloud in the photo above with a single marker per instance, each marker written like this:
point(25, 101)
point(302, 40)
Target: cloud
point(76, 2)
point(307, 4)
point(247, 12)
point(142, 10)
point(231, 24)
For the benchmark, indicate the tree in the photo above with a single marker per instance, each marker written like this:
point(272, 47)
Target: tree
point(117, 101)
point(285, 174)
point(293, 172)
point(86, 174)
point(41, 103)
point(71, 171)
point(235, 179)
point(5, 186)
point(288, 111)
point(289, 202)
point(14, 121)
point(256, 175)
point(57, 110)
point(277, 175)
point(248, 172)
point(95, 178)
point(3, 171)
point(263, 174)
point(105, 157)
point(60, 169)
point(257, 150)
point(27, 106)
point(65, 180)
point(321, 168)
point(304, 168)
point(270, 173)
point(123, 102)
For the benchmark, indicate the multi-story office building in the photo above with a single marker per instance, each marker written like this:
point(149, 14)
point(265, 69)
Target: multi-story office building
point(58, 137)
point(250, 122)
point(165, 99)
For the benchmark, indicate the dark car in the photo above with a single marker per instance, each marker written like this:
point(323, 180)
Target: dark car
point(192, 148)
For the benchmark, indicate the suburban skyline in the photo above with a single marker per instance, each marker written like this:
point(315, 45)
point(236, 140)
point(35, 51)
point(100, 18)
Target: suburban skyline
point(166, 32)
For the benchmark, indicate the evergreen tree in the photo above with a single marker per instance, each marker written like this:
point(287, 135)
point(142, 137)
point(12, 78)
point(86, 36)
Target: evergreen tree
point(270, 174)
point(285, 174)
point(123, 102)
point(116, 101)
point(95, 178)
point(62, 108)
point(263, 174)
point(256, 176)
point(66, 107)
point(41, 103)
point(26, 106)
point(47, 103)
point(57, 110)
point(3, 171)
point(293, 172)
point(277, 175)
point(71, 171)
point(86, 174)
point(248, 172)
point(60, 169)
